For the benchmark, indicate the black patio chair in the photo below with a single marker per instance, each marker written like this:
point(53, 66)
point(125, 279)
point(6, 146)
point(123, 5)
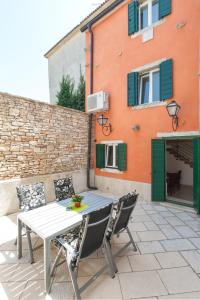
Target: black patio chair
point(64, 188)
point(30, 197)
point(92, 236)
point(120, 220)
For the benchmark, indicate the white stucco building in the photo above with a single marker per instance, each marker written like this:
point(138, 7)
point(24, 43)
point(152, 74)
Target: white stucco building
point(67, 57)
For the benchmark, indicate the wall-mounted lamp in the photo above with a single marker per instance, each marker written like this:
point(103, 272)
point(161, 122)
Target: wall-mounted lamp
point(136, 127)
point(102, 121)
point(173, 109)
point(180, 25)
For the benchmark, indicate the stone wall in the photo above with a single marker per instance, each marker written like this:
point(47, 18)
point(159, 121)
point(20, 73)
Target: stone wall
point(38, 139)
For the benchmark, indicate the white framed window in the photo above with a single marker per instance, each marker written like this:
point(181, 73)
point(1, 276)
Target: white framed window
point(148, 13)
point(149, 86)
point(111, 156)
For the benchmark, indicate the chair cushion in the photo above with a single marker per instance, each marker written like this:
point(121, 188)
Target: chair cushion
point(68, 237)
point(121, 217)
point(31, 196)
point(64, 188)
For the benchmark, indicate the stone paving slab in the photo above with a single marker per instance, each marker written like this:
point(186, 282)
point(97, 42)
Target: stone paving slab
point(186, 231)
point(141, 284)
point(184, 216)
point(177, 245)
point(159, 220)
point(169, 232)
point(193, 258)
point(150, 247)
point(180, 280)
point(137, 226)
point(151, 236)
point(171, 260)
point(151, 225)
point(195, 225)
point(146, 262)
point(196, 242)
point(174, 221)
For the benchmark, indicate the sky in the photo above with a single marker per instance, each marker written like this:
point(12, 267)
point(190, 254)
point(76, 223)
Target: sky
point(28, 29)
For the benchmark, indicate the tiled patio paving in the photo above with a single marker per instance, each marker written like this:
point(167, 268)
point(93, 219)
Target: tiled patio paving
point(167, 264)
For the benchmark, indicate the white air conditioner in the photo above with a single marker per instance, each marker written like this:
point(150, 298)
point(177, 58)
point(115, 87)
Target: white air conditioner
point(97, 102)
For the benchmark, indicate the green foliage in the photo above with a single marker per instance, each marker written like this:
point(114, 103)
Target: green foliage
point(66, 94)
point(80, 94)
point(70, 97)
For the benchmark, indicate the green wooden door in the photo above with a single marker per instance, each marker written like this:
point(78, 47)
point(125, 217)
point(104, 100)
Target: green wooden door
point(158, 170)
point(196, 174)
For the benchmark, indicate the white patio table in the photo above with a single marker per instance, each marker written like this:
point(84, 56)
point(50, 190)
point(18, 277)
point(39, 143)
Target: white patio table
point(52, 220)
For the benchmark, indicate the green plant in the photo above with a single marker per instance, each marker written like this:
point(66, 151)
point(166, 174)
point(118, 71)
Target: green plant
point(66, 94)
point(80, 94)
point(77, 198)
point(70, 97)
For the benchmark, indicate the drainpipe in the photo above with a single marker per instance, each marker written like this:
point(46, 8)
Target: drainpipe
point(90, 115)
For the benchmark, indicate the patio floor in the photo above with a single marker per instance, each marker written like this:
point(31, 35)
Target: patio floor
point(167, 264)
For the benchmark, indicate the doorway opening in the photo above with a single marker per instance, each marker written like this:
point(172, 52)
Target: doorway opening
point(179, 171)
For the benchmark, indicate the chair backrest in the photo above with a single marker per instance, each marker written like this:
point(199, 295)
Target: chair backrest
point(125, 208)
point(94, 232)
point(31, 196)
point(64, 188)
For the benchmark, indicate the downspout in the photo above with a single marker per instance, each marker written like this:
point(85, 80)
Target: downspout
point(90, 115)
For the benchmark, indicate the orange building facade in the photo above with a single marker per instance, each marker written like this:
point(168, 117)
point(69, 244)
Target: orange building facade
point(137, 105)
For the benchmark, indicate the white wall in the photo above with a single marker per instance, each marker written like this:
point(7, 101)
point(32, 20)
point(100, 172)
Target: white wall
point(9, 202)
point(174, 166)
point(121, 187)
point(66, 60)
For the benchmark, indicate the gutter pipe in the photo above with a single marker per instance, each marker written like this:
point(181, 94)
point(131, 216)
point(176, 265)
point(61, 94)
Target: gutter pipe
point(91, 115)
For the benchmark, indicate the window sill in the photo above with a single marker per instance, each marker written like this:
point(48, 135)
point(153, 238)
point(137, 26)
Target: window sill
point(150, 105)
point(110, 170)
point(143, 31)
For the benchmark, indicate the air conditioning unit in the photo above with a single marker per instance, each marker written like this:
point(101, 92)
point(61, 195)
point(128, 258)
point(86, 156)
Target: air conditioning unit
point(97, 102)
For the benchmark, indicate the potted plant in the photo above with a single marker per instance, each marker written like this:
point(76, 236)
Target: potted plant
point(76, 199)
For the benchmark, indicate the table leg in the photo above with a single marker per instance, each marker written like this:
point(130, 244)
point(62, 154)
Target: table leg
point(19, 238)
point(47, 264)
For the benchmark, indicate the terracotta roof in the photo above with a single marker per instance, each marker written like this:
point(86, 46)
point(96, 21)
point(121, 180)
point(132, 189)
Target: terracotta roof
point(77, 28)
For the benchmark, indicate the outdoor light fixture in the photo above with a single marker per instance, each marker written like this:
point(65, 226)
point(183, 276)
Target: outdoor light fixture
point(173, 109)
point(102, 120)
point(136, 127)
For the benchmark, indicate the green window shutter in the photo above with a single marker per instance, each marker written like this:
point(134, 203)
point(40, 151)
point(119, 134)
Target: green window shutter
point(133, 17)
point(158, 170)
point(122, 153)
point(132, 81)
point(165, 8)
point(166, 79)
point(196, 174)
point(100, 156)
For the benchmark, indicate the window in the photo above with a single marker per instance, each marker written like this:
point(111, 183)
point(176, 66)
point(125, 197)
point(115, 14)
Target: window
point(155, 11)
point(149, 13)
point(144, 16)
point(111, 156)
point(149, 86)
point(144, 89)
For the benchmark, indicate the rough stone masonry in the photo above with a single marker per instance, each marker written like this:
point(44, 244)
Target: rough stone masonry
point(38, 139)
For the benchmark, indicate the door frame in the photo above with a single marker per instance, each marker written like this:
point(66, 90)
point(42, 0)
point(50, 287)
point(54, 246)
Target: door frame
point(196, 181)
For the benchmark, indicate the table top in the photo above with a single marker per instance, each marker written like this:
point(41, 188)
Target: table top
point(53, 219)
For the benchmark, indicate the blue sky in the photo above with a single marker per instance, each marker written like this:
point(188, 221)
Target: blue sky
point(28, 28)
